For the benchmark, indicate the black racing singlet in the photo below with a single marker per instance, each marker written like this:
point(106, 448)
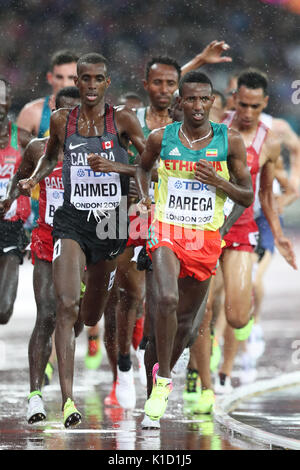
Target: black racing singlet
point(86, 190)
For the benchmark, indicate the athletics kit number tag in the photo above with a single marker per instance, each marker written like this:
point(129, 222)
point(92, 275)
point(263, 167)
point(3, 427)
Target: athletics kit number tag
point(55, 199)
point(13, 208)
point(189, 201)
point(94, 190)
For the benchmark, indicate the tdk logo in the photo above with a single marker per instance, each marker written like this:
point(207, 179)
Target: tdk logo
point(57, 194)
point(178, 184)
point(89, 172)
point(191, 185)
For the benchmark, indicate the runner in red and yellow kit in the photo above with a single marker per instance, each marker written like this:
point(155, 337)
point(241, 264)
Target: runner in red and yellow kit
point(198, 162)
point(160, 82)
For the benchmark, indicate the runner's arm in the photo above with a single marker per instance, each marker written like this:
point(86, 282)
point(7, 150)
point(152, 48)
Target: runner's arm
point(32, 154)
point(129, 128)
point(234, 215)
point(24, 138)
point(49, 160)
point(268, 205)
point(289, 193)
point(211, 54)
point(98, 163)
point(29, 117)
point(291, 141)
point(144, 169)
point(28, 163)
point(239, 188)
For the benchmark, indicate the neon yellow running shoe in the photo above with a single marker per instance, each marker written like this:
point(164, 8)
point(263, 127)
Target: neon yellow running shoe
point(93, 357)
point(216, 355)
point(242, 334)
point(72, 417)
point(156, 405)
point(205, 403)
point(192, 391)
point(48, 374)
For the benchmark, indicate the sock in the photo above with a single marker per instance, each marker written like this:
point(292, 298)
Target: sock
point(34, 393)
point(124, 362)
point(165, 378)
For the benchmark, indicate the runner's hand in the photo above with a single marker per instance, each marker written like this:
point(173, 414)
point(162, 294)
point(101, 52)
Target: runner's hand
point(101, 164)
point(25, 186)
point(285, 248)
point(212, 54)
point(144, 205)
point(206, 173)
point(4, 207)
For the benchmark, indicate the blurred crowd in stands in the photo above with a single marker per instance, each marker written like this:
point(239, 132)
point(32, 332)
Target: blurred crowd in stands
point(129, 32)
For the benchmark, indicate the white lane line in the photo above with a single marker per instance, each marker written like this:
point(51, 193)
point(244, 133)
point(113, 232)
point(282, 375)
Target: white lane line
point(227, 404)
point(87, 431)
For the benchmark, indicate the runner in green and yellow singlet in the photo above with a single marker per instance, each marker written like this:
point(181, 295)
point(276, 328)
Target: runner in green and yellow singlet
point(201, 163)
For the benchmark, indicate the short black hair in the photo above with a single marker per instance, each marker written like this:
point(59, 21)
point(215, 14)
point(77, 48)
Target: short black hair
point(64, 56)
point(165, 60)
point(67, 92)
point(220, 94)
point(194, 77)
point(254, 79)
point(92, 58)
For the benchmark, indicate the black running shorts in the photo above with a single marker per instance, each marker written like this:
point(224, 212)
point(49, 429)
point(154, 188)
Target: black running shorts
point(13, 239)
point(70, 223)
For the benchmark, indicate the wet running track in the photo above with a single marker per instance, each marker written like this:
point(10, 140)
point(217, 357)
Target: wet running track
point(114, 429)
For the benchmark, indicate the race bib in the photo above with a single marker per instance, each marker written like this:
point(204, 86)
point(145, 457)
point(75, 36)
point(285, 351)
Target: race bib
point(190, 202)
point(13, 208)
point(94, 190)
point(54, 199)
point(56, 249)
point(3, 187)
point(253, 238)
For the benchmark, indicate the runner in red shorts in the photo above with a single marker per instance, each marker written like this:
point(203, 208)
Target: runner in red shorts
point(198, 160)
point(263, 150)
point(13, 239)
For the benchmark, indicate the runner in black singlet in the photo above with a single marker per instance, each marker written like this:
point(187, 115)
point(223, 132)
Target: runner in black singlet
point(94, 137)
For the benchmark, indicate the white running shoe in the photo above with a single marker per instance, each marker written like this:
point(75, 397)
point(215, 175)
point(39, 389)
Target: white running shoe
point(35, 411)
point(140, 354)
point(248, 376)
point(256, 343)
point(148, 423)
point(125, 389)
point(223, 388)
